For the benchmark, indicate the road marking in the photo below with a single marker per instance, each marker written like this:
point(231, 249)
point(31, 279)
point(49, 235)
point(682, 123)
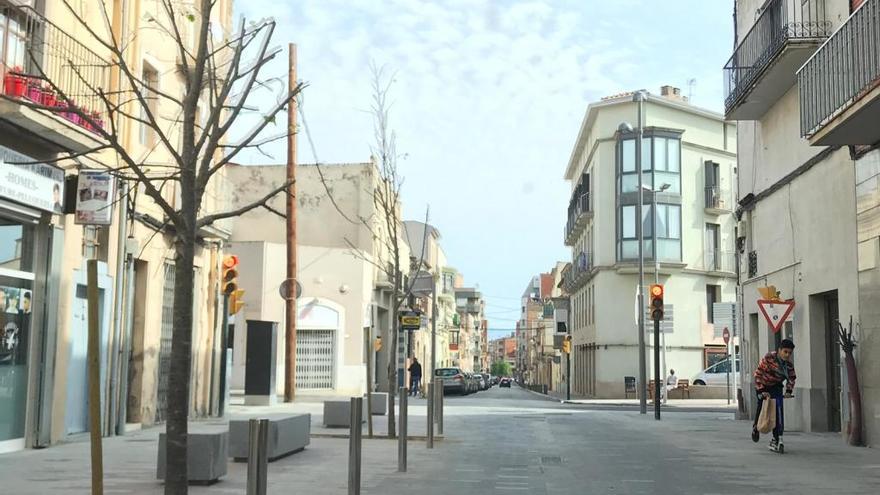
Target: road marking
point(469, 470)
point(468, 481)
point(512, 476)
point(512, 488)
point(637, 481)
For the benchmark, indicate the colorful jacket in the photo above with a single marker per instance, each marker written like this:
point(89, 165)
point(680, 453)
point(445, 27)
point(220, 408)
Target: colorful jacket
point(772, 371)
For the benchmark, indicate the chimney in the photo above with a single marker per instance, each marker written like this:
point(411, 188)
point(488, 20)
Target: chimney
point(672, 93)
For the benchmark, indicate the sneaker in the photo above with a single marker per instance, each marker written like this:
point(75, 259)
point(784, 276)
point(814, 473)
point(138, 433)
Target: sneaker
point(756, 436)
point(774, 445)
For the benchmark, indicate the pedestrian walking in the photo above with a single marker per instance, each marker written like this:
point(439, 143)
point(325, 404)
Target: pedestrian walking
point(671, 383)
point(415, 377)
point(774, 368)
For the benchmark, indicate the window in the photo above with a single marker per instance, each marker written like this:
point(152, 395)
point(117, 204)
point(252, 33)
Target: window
point(16, 245)
point(713, 256)
point(150, 78)
point(711, 298)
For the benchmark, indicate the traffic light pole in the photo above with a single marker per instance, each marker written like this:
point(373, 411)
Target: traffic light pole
point(657, 368)
point(224, 346)
point(568, 375)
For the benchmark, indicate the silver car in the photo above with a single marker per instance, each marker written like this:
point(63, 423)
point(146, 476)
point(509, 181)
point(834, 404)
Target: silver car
point(455, 381)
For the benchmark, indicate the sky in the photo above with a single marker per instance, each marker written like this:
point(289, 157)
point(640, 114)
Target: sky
point(488, 97)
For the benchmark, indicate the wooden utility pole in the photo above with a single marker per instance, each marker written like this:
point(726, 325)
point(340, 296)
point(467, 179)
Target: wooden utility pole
point(290, 302)
point(94, 360)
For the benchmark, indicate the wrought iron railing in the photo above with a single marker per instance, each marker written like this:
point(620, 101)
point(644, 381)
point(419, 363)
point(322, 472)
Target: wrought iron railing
point(843, 70)
point(36, 51)
point(780, 22)
point(579, 205)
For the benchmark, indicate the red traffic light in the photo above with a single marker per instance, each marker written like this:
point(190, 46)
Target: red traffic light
point(657, 302)
point(230, 261)
point(656, 290)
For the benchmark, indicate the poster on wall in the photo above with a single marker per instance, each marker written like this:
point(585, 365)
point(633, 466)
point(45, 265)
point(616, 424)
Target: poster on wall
point(94, 198)
point(15, 308)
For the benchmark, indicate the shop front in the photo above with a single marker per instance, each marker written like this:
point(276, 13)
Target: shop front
point(30, 194)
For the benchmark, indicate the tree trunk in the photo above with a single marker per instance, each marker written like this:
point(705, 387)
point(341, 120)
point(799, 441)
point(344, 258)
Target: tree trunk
point(176, 477)
point(855, 398)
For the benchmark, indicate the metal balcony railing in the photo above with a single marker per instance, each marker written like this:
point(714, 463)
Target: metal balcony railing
point(780, 22)
point(577, 274)
point(579, 205)
point(719, 261)
point(33, 46)
point(716, 198)
point(843, 70)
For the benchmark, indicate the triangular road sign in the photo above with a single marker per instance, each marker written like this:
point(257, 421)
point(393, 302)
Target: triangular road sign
point(776, 312)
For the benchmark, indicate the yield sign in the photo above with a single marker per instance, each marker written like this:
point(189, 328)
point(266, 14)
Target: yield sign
point(776, 312)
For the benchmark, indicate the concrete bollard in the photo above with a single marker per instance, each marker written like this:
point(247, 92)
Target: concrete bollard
point(430, 440)
point(258, 460)
point(402, 436)
point(354, 446)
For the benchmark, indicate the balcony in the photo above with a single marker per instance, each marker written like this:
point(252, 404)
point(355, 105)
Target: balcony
point(577, 273)
point(717, 200)
point(579, 214)
point(840, 84)
point(764, 65)
point(30, 43)
point(722, 263)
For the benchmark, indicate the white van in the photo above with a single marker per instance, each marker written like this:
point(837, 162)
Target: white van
point(716, 375)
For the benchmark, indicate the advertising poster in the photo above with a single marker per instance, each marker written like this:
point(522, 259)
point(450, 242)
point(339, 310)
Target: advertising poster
point(94, 198)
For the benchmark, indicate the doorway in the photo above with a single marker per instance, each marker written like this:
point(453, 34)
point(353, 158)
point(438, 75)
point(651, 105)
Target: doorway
point(136, 357)
point(76, 413)
point(832, 361)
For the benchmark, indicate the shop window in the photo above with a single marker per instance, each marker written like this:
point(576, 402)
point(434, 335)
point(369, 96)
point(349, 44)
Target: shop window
point(16, 245)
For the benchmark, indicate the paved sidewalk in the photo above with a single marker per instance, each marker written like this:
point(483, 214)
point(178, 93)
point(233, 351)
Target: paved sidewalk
point(671, 403)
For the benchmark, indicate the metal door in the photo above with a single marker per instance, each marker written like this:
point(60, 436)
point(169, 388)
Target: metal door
point(315, 359)
point(165, 343)
point(76, 418)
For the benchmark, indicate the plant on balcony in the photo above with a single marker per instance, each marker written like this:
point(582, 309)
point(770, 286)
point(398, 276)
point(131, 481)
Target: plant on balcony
point(34, 91)
point(48, 98)
point(14, 83)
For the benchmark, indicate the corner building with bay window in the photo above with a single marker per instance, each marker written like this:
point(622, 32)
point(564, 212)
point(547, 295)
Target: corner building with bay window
point(690, 153)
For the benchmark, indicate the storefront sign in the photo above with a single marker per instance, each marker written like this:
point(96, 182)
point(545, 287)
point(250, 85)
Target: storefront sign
point(38, 185)
point(94, 198)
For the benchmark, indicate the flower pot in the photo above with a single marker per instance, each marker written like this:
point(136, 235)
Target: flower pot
point(14, 85)
point(34, 93)
point(49, 98)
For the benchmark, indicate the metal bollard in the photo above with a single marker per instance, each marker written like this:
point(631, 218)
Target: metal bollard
point(402, 437)
point(258, 460)
point(354, 445)
point(442, 395)
point(430, 440)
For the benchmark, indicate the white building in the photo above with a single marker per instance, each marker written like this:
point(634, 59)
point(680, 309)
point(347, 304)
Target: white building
point(692, 150)
point(807, 200)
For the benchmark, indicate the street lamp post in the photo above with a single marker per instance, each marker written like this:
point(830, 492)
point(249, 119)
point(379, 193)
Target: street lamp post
point(639, 97)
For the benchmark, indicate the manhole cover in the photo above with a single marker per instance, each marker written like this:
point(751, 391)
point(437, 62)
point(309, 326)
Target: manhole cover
point(551, 460)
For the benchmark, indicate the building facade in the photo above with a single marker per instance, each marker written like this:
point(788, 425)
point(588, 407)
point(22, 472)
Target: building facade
point(43, 249)
point(807, 194)
point(689, 159)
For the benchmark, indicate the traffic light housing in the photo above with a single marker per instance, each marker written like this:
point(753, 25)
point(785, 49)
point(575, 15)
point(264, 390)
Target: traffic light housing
point(566, 344)
point(229, 281)
point(657, 302)
point(236, 301)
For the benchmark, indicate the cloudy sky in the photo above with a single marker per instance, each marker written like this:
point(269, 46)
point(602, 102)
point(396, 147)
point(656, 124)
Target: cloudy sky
point(488, 98)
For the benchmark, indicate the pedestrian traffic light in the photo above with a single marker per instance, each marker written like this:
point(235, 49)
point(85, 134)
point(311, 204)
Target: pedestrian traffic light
point(566, 344)
point(236, 301)
point(657, 302)
point(229, 281)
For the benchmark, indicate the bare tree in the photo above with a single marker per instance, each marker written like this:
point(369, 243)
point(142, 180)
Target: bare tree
point(218, 78)
point(386, 223)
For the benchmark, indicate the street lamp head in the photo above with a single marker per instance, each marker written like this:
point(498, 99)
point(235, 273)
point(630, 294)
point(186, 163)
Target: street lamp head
point(640, 95)
point(625, 128)
point(665, 187)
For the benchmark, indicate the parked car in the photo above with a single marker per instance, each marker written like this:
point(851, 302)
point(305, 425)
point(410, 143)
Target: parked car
point(479, 382)
point(716, 375)
point(455, 381)
point(488, 379)
point(504, 382)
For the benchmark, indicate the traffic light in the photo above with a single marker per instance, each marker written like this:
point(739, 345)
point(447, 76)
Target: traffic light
point(236, 301)
point(230, 274)
point(566, 344)
point(657, 302)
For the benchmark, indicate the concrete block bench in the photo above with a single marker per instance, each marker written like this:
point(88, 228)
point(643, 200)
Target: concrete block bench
point(288, 434)
point(337, 413)
point(206, 456)
point(380, 403)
